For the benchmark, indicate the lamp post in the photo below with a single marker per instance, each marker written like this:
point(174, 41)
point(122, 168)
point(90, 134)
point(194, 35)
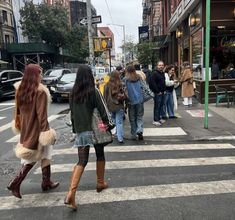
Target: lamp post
point(124, 40)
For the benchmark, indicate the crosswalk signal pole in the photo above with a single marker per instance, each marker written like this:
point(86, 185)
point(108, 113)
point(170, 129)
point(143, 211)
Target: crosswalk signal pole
point(89, 27)
point(208, 11)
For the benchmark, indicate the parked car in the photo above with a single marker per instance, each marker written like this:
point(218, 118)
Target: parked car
point(7, 80)
point(52, 76)
point(61, 90)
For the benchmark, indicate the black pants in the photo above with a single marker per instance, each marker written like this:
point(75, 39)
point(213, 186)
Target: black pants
point(83, 154)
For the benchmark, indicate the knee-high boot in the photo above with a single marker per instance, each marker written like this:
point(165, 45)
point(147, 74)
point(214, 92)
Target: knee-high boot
point(75, 179)
point(47, 184)
point(14, 185)
point(100, 168)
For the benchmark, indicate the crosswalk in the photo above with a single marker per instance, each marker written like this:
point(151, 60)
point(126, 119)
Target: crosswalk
point(211, 174)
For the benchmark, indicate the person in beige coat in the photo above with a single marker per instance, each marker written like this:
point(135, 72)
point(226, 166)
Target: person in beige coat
point(36, 137)
point(186, 80)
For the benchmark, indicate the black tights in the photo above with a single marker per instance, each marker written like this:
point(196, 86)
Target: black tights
point(83, 154)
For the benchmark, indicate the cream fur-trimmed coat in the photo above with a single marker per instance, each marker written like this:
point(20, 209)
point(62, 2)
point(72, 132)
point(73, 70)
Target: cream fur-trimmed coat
point(35, 132)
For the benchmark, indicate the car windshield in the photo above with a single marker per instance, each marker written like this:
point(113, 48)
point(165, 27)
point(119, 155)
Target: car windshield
point(68, 78)
point(53, 73)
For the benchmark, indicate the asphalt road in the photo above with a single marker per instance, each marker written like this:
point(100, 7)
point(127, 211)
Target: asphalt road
point(166, 177)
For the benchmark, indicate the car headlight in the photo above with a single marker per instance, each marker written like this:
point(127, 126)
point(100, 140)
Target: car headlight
point(53, 88)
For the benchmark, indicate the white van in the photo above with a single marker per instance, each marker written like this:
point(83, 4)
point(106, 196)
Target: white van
point(101, 72)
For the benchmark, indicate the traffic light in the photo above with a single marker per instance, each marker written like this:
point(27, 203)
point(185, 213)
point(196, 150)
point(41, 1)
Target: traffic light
point(102, 43)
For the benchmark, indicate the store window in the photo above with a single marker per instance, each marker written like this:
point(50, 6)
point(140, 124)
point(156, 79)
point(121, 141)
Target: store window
point(197, 58)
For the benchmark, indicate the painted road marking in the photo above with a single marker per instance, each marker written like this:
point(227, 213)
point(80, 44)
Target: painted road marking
point(16, 138)
point(110, 165)
point(6, 108)
point(5, 127)
point(173, 131)
point(6, 104)
point(121, 194)
point(198, 113)
point(146, 148)
point(2, 118)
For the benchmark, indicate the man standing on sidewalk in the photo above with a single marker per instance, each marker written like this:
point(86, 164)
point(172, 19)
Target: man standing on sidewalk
point(158, 86)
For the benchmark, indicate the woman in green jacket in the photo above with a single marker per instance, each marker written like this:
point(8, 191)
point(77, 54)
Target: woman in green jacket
point(83, 100)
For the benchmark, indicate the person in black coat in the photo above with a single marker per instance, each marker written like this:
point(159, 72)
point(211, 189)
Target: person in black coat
point(158, 86)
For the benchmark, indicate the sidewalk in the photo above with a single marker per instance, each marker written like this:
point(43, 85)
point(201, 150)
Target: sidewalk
point(221, 124)
point(190, 120)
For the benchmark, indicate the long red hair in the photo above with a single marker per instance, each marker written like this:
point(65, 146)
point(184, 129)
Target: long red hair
point(29, 84)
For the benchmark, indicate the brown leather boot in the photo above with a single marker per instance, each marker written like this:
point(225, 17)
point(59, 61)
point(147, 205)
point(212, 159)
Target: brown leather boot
point(47, 184)
point(14, 185)
point(101, 184)
point(75, 179)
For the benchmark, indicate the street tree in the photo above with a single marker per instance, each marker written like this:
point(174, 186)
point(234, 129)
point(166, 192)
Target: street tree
point(145, 52)
point(130, 49)
point(42, 22)
point(77, 43)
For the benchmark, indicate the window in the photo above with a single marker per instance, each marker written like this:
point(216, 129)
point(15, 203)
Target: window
point(4, 16)
point(7, 39)
point(4, 76)
point(14, 75)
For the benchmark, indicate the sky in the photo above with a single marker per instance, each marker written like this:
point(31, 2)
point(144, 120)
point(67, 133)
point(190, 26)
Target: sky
point(123, 12)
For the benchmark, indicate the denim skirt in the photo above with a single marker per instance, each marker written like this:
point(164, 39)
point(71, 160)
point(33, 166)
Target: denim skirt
point(84, 139)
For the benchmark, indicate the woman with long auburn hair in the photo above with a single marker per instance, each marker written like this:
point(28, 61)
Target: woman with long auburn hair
point(83, 100)
point(115, 97)
point(36, 137)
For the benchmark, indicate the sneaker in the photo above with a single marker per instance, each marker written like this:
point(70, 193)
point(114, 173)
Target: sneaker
point(157, 123)
point(162, 121)
point(121, 142)
point(140, 136)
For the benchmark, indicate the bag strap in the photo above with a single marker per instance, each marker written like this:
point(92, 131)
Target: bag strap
point(105, 106)
point(17, 110)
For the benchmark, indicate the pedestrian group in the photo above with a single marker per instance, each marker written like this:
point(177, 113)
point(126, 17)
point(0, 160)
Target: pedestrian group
point(125, 91)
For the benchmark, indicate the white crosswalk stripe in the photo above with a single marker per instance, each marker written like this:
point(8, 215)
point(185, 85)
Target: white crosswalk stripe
point(57, 168)
point(122, 194)
point(2, 118)
point(136, 148)
point(134, 193)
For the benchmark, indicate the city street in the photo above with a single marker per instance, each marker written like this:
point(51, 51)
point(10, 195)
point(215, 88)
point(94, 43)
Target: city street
point(175, 173)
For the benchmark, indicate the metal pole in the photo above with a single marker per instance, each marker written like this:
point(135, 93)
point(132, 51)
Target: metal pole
point(110, 61)
point(208, 10)
point(89, 26)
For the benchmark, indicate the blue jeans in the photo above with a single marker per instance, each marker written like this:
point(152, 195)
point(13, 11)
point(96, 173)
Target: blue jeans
point(169, 103)
point(118, 120)
point(158, 107)
point(136, 113)
point(164, 108)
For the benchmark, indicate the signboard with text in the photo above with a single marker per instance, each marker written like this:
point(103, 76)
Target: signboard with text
point(143, 33)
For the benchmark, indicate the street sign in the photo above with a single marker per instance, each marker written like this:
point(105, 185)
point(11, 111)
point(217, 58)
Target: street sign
point(94, 20)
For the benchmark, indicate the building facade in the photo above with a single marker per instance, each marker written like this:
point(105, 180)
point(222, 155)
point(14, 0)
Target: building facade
point(7, 25)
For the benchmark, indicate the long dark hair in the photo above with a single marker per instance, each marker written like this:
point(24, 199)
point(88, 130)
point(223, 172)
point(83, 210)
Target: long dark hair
point(29, 84)
point(115, 83)
point(84, 84)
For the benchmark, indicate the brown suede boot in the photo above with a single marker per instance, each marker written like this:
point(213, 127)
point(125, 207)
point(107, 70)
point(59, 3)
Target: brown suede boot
point(75, 179)
point(14, 185)
point(46, 179)
point(101, 184)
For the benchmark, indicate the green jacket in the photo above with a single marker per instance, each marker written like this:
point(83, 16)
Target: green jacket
point(81, 113)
